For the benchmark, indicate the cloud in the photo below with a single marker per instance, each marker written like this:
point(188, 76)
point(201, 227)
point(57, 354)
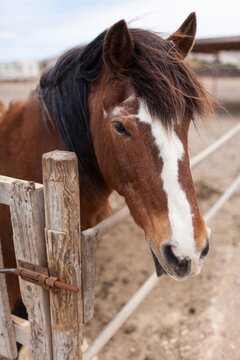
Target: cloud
point(6, 35)
point(45, 28)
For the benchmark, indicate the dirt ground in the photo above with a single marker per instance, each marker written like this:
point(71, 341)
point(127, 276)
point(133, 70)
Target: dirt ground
point(196, 319)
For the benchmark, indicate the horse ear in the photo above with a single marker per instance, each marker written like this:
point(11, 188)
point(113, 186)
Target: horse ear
point(118, 47)
point(184, 37)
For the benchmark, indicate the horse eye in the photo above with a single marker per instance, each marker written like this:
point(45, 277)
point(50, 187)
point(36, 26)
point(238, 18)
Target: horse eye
point(120, 128)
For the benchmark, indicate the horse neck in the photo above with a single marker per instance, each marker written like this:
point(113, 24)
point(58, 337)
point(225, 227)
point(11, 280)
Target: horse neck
point(24, 136)
point(93, 211)
point(94, 206)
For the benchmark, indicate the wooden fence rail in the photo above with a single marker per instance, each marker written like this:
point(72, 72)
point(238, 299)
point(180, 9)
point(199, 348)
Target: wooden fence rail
point(8, 346)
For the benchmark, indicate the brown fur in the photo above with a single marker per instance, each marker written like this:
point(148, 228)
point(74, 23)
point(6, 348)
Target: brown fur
point(2, 108)
point(183, 38)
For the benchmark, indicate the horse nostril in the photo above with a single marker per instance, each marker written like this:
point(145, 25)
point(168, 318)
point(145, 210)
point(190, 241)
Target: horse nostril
point(169, 256)
point(182, 267)
point(205, 251)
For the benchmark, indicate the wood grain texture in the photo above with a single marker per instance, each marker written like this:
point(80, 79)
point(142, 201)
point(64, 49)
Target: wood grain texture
point(90, 237)
point(89, 246)
point(27, 215)
point(8, 346)
point(22, 330)
point(5, 187)
point(62, 211)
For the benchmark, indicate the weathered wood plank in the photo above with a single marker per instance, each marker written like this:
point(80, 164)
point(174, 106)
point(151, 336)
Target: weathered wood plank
point(89, 245)
point(8, 346)
point(22, 330)
point(5, 187)
point(62, 211)
point(27, 215)
point(90, 237)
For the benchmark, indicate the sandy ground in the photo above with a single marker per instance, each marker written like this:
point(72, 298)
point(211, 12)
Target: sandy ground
point(197, 319)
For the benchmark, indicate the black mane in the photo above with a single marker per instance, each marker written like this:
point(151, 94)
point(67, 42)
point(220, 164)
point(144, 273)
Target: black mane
point(64, 90)
point(160, 78)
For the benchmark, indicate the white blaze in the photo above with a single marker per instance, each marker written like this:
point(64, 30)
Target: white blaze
point(171, 151)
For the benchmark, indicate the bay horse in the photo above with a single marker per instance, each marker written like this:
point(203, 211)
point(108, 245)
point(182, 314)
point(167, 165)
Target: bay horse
point(123, 103)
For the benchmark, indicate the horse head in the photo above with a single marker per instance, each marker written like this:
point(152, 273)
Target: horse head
point(124, 104)
point(140, 111)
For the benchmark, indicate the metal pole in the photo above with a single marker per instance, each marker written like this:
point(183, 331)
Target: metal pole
point(212, 148)
point(120, 318)
point(145, 289)
point(108, 224)
point(219, 203)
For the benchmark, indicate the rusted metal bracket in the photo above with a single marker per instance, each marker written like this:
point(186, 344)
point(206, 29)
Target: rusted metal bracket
point(38, 275)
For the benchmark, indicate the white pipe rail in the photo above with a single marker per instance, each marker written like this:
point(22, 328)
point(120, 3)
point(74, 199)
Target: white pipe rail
point(120, 318)
point(108, 224)
point(219, 203)
point(145, 289)
point(216, 145)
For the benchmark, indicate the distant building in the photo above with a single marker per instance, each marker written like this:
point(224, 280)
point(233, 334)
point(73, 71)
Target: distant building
point(47, 63)
point(230, 57)
point(221, 57)
point(19, 70)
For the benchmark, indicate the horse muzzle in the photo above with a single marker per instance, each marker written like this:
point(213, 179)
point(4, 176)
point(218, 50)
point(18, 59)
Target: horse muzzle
point(179, 268)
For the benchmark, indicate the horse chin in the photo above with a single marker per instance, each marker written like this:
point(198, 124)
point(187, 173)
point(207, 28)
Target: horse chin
point(159, 269)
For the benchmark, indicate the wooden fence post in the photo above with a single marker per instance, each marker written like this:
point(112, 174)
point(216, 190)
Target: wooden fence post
point(63, 234)
point(27, 215)
point(8, 346)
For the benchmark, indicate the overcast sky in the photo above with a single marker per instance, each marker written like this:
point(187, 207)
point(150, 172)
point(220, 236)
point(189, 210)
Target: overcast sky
point(45, 28)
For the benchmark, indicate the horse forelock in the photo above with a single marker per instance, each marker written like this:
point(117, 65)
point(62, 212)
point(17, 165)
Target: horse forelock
point(164, 81)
